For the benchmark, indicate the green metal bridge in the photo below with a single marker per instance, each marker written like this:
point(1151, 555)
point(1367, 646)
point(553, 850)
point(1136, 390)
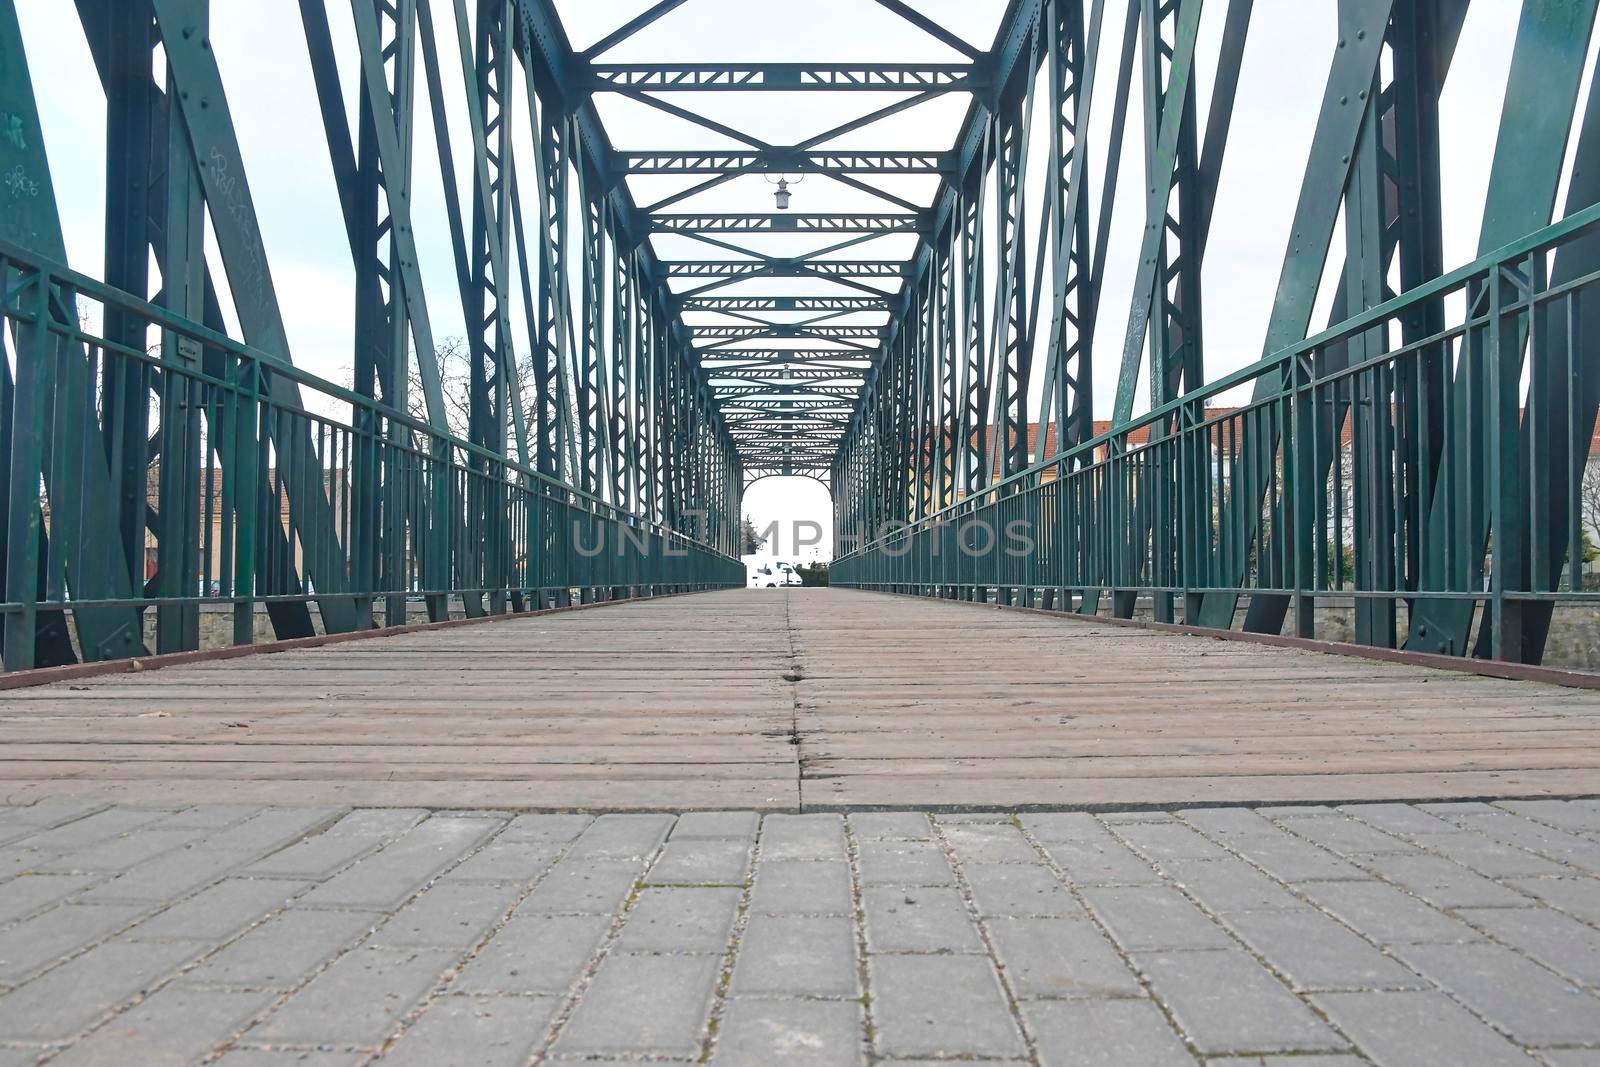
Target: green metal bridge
point(641, 346)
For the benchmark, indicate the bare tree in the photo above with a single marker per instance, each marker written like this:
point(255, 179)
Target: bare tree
point(1589, 512)
point(750, 541)
point(454, 356)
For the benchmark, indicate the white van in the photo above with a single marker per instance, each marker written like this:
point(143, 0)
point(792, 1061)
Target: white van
point(769, 572)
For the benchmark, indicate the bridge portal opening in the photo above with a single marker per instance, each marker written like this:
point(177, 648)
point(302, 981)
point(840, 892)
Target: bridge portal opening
point(791, 516)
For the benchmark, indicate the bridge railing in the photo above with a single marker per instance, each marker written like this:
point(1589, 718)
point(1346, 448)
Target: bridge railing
point(265, 486)
point(1416, 460)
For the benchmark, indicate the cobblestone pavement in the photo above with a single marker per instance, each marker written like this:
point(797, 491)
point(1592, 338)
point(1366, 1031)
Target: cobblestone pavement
point(1307, 937)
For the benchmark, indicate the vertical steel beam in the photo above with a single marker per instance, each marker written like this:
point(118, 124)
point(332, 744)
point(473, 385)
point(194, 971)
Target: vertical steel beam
point(1546, 66)
point(77, 479)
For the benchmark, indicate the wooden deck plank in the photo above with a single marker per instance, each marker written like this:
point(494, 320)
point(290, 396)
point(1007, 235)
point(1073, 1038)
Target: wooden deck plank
point(697, 702)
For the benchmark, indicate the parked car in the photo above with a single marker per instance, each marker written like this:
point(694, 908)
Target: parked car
point(769, 572)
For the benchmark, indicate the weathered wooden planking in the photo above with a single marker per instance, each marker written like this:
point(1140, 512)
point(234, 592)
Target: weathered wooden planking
point(693, 702)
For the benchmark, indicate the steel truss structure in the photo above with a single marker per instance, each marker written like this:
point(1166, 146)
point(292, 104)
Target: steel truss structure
point(157, 467)
point(1421, 458)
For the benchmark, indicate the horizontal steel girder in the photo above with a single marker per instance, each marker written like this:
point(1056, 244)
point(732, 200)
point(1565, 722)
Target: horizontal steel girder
point(784, 303)
point(787, 77)
point(778, 268)
point(818, 333)
point(783, 222)
point(785, 160)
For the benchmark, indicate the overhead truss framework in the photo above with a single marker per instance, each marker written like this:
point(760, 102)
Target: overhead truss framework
point(640, 359)
point(787, 338)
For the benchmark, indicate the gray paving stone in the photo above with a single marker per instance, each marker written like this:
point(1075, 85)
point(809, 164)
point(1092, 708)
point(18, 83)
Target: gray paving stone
point(1385, 914)
point(1103, 1033)
point(1454, 808)
point(91, 829)
point(584, 886)
point(1224, 824)
point(1417, 1029)
point(119, 853)
point(1480, 897)
point(1063, 826)
point(1153, 917)
point(28, 893)
point(317, 857)
point(1014, 889)
point(386, 878)
point(358, 1000)
point(801, 887)
point(1403, 820)
point(798, 1033)
point(1526, 1001)
point(918, 919)
point(516, 862)
point(1571, 1057)
point(1101, 860)
point(283, 1057)
point(1228, 885)
point(1553, 939)
point(797, 955)
point(353, 836)
point(989, 843)
point(1315, 952)
point(1493, 859)
point(172, 874)
point(218, 816)
point(14, 861)
point(216, 914)
point(176, 1025)
point(59, 1005)
point(903, 863)
point(546, 829)
point(734, 824)
point(283, 951)
point(680, 920)
point(50, 812)
point(1291, 859)
point(891, 826)
point(1442, 883)
point(1346, 836)
point(1577, 816)
point(1119, 818)
point(1578, 897)
point(940, 1006)
point(1168, 841)
point(475, 1032)
point(643, 1005)
point(534, 954)
point(265, 831)
point(701, 861)
point(1061, 958)
point(955, 818)
point(622, 837)
point(1559, 845)
point(803, 837)
point(35, 943)
point(447, 915)
point(1227, 1002)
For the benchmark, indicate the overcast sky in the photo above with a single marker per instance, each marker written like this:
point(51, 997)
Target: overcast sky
point(260, 46)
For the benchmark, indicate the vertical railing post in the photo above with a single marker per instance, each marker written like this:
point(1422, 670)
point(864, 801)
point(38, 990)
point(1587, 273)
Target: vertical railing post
point(24, 519)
